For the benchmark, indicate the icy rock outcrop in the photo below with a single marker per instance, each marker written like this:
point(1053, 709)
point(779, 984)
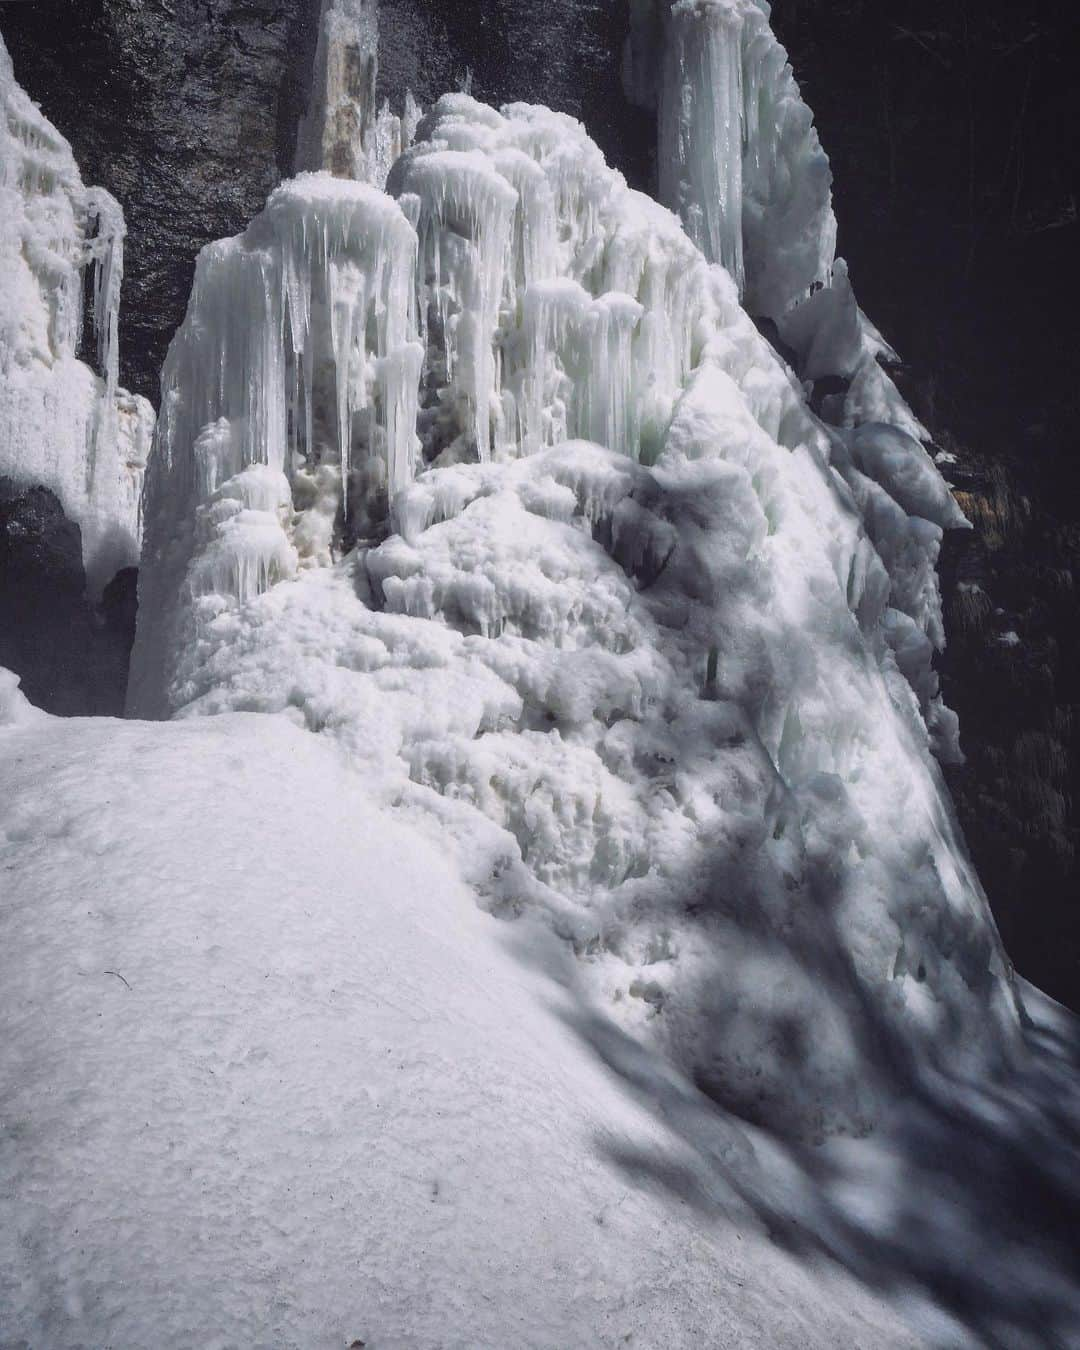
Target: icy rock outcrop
point(61, 425)
point(342, 131)
point(672, 690)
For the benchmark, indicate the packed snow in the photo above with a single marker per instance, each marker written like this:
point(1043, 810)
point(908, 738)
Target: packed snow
point(271, 1077)
point(61, 425)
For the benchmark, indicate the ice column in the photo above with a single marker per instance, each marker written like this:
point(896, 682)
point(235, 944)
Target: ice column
point(294, 329)
point(341, 130)
point(739, 158)
point(465, 210)
point(293, 377)
point(341, 109)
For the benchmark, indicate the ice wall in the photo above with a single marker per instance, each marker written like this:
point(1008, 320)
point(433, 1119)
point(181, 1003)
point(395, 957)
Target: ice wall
point(61, 425)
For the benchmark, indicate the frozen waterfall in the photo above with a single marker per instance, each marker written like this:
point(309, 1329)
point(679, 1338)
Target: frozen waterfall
point(493, 480)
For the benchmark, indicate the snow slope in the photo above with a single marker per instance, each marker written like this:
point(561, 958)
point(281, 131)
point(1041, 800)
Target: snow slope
point(271, 1078)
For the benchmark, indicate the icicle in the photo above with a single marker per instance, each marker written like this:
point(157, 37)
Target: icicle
point(466, 211)
point(106, 252)
point(701, 136)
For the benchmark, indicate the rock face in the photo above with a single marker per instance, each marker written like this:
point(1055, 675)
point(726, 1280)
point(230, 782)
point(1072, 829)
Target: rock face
point(72, 655)
point(1011, 663)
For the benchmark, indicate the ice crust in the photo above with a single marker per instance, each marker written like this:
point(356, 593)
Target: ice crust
point(645, 645)
point(61, 425)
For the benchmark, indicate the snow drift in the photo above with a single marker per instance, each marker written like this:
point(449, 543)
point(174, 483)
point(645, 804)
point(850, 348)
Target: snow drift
point(493, 480)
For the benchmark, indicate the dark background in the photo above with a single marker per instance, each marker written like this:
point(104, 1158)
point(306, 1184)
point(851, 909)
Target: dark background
point(952, 133)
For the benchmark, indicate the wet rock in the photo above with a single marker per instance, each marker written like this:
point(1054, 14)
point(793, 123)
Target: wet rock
point(71, 655)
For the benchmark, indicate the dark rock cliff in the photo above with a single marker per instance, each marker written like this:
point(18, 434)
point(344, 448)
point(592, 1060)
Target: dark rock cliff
point(70, 654)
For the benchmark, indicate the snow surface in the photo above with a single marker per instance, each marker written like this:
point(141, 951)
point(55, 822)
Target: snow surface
point(61, 425)
point(303, 1091)
point(271, 1078)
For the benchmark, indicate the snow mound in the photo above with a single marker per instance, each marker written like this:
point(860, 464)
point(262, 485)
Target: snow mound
point(61, 425)
point(306, 1092)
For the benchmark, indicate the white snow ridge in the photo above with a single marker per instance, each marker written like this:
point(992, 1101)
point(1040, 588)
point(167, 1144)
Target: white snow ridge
point(580, 937)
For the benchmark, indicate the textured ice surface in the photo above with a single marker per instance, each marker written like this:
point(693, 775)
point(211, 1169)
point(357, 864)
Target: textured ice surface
point(61, 425)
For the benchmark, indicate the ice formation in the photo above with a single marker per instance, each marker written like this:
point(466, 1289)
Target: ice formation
point(738, 156)
point(61, 425)
point(495, 481)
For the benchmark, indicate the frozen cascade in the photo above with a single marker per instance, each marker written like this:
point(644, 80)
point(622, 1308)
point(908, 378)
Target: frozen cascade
point(738, 154)
point(61, 425)
point(700, 149)
point(297, 354)
point(641, 641)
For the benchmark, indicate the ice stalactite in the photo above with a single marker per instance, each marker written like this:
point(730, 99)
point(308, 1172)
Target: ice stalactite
point(61, 425)
point(464, 210)
point(106, 250)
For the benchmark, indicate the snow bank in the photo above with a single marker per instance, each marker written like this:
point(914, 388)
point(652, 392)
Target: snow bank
point(61, 425)
point(271, 1077)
